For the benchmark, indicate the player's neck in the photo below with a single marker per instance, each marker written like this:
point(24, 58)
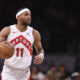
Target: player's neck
point(21, 27)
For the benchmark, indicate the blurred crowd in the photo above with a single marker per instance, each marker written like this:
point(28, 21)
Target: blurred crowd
point(53, 74)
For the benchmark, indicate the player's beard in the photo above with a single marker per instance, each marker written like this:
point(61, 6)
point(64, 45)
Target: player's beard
point(25, 24)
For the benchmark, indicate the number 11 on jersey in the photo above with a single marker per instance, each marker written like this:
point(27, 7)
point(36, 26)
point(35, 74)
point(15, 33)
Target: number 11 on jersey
point(19, 52)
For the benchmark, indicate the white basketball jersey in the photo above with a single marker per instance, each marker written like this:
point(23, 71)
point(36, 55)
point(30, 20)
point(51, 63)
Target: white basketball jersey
point(23, 42)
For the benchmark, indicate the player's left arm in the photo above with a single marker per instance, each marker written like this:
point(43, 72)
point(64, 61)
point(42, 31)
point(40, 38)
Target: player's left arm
point(38, 47)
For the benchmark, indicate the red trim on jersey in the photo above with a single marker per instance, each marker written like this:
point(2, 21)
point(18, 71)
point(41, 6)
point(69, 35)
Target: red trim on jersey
point(20, 39)
point(28, 47)
point(29, 78)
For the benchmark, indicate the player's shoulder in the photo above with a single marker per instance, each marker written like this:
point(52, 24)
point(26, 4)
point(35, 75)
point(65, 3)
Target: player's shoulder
point(5, 31)
point(30, 28)
point(34, 30)
point(6, 28)
point(36, 34)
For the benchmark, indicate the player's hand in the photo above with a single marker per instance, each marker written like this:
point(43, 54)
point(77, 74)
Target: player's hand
point(38, 59)
point(9, 44)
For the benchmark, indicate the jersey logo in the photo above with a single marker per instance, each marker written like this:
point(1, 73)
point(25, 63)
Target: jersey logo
point(28, 34)
point(24, 41)
point(14, 32)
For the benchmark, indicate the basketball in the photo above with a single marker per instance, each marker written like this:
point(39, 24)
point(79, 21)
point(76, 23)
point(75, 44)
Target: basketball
point(6, 50)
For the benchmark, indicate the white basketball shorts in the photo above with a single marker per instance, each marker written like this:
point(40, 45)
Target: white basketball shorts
point(9, 73)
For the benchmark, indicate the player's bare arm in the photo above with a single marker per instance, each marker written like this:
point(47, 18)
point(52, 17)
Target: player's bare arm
point(38, 47)
point(4, 33)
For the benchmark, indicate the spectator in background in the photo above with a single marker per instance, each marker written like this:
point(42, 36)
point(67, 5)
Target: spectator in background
point(75, 76)
point(41, 76)
point(59, 75)
point(51, 74)
point(35, 74)
point(52, 69)
point(62, 73)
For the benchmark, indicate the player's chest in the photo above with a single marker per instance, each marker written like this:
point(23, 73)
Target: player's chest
point(23, 38)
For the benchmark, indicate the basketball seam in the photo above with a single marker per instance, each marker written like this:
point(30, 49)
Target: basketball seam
point(4, 53)
point(8, 47)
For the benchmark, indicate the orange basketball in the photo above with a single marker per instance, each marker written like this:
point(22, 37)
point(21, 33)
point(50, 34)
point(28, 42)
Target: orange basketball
point(6, 50)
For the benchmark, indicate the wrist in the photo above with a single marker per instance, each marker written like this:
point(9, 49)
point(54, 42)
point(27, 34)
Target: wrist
point(42, 55)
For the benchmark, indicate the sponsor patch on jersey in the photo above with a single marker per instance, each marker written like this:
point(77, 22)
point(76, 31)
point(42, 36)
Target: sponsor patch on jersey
point(28, 34)
point(14, 32)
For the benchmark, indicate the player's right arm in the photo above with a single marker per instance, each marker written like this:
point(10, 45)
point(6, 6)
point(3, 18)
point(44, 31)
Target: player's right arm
point(4, 33)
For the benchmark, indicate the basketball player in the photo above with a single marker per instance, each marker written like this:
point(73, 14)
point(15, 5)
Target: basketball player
point(23, 37)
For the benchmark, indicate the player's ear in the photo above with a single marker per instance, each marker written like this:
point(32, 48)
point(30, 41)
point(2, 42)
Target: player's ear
point(18, 17)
